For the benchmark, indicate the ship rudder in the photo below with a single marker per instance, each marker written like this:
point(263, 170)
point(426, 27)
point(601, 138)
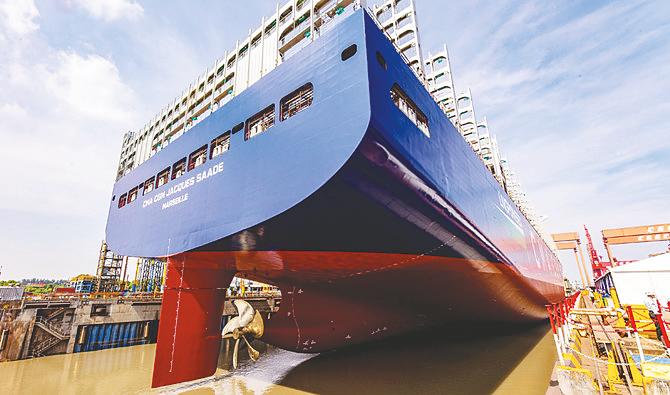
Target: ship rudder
point(189, 335)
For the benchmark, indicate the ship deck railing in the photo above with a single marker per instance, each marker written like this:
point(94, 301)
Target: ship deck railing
point(300, 28)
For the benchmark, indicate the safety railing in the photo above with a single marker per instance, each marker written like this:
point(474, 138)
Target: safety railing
point(592, 336)
point(44, 346)
point(300, 28)
point(55, 330)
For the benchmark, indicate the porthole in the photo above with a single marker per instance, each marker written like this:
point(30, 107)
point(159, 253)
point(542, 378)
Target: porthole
point(381, 61)
point(349, 52)
point(238, 127)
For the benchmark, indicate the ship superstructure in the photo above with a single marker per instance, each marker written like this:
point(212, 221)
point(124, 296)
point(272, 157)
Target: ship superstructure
point(338, 177)
point(440, 81)
point(294, 25)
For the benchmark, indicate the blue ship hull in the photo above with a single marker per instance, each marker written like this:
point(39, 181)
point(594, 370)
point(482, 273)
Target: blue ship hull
point(369, 227)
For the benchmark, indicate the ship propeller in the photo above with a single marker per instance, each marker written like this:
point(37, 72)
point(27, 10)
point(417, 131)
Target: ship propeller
point(247, 324)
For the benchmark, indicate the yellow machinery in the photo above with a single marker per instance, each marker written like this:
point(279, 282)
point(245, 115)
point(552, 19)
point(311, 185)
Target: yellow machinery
point(621, 369)
point(620, 323)
point(645, 325)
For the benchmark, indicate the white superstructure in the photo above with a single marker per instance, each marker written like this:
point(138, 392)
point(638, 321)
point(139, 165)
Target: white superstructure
point(397, 18)
point(292, 26)
point(440, 83)
point(460, 109)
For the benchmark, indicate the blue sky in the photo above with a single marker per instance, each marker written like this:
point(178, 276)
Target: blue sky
point(578, 94)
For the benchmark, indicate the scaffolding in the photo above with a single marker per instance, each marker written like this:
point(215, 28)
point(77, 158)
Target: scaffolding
point(111, 270)
point(149, 275)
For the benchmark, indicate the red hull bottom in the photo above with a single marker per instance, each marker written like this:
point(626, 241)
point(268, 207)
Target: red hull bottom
point(332, 299)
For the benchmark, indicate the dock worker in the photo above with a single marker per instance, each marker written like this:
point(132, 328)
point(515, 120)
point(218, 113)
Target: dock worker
point(652, 306)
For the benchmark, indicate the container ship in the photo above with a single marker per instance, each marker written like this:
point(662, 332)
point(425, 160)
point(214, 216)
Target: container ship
point(323, 155)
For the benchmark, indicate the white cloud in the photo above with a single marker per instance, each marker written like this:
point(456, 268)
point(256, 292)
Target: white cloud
point(80, 109)
point(111, 10)
point(89, 86)
point(63, 114)
point(578, 100)
point(11, 111)
point(17, 17)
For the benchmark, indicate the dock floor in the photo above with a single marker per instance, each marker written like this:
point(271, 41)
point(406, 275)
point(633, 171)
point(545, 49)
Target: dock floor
point(514, 360)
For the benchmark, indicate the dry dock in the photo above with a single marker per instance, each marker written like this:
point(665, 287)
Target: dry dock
point(436, 362)
point(57, 325)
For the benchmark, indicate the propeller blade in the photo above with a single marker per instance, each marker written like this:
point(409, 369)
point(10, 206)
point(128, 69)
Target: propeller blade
point(235, 350)
point(247, 322)
point(253, 353)
point(231, 325)
point(244, 311)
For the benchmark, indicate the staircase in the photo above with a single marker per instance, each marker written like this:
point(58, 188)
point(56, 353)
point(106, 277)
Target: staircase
point(40, 349)
point(56, 313)
point(53, 330)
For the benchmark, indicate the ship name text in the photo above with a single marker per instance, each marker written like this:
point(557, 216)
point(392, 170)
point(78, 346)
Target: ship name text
point(182, 186)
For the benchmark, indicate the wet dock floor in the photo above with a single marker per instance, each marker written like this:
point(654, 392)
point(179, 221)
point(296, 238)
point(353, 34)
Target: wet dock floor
point(508, 361)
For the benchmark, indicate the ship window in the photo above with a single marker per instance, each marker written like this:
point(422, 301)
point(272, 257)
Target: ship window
point(349, 52)
point(197, 157)
point(410, 109)
point(384, 15)
point(401, 5)
point(238, 127)
point(162, 177)
point(256, 41)
point(260, 122)
point(443, 91)
point(382, 61)
point(297, 101)
point(179, 168)
point(271, 27)
point(410, 52)
point(132, 195)
point(122, 200)
point(466, 115)
point(285, 14)
point(405, 38)
point(404, 21)
point(220, 145)
point(148, 185)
